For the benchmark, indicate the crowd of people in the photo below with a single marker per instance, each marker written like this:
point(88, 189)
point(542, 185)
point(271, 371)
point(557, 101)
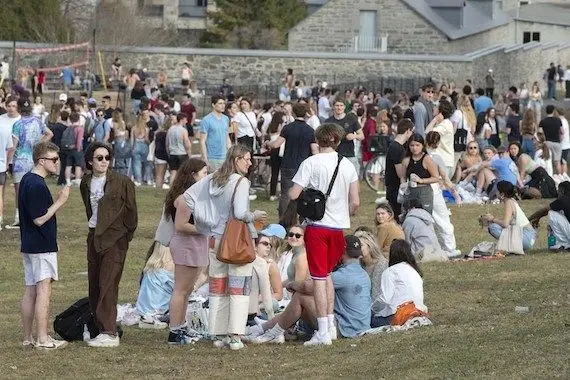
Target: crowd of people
point(307, 277)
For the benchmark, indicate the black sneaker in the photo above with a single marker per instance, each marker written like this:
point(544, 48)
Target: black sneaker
point(180, 337)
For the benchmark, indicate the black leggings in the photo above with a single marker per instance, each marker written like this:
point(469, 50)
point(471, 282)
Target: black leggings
point(275, 163)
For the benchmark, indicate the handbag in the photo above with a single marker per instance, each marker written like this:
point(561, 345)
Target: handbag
point(236, 246)
point(312, 202)
point(510, 240)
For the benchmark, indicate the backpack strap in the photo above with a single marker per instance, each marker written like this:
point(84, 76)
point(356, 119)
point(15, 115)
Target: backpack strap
point(334, 176)
point(234, 195)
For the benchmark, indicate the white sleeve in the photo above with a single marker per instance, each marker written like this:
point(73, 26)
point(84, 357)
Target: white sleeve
point(303, 175)
point(386, 290)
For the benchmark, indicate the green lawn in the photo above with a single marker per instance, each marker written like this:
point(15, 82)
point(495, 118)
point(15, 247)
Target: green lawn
point(476, 331)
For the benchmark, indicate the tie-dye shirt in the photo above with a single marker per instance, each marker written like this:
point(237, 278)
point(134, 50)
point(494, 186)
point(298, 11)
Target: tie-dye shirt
point(28, 130)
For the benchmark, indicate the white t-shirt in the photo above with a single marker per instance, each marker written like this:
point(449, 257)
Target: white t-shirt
point(565, 143)
point(314, 122)
point(316, 172)
point(246, 122)
point(266, 121)
point(457, 119)
point(400, 283)
point(97, 191)
point(6, 141)
point(445, 148)
point(324, 108)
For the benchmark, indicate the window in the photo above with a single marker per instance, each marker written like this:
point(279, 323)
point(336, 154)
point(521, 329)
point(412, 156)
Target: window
point(202, 3)
point(192, 8)
point(536, 36)
point(526, 37)
point(148, 9)
point(367, 40)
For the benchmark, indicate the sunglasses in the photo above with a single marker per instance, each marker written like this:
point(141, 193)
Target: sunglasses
point(291, 234)
point(101, 158)
point(429, 91)
point(265, 243)
point(99, 114)
point(473, 147)
point(52, 159)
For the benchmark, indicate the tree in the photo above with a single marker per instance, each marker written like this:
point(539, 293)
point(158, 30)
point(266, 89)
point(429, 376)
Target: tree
point(252, 24)
point(33, 20)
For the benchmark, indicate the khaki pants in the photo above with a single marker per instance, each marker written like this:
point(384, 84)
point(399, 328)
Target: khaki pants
point(230, 286)
point(104, 270)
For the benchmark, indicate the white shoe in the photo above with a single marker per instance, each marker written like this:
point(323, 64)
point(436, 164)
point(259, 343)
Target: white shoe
point(236, 344)
point(221, 343)
point(252, 332)
point(151, 323)
point(381, 201)
point(137, 184)
point(319, 340)
point(273, 198)
point(252, 197)
point(332, 332)
point(104, 340)
point(165, 186)
point(270, 336)
point(50, 344)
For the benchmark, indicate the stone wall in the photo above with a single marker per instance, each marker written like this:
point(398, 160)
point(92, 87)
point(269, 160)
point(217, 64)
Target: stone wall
point(548, 33)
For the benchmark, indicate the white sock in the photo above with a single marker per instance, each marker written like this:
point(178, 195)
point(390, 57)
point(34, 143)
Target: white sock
point(180, 327)
point(16, 217)
point(330, 318)
point(1, 220)
point(68, 181)
point(323, 324)
point(278, 329)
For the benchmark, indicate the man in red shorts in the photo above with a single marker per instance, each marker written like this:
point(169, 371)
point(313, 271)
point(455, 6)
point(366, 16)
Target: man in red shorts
point(324, 239)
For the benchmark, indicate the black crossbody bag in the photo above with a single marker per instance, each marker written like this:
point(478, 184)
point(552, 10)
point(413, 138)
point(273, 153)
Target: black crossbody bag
point(312, 202)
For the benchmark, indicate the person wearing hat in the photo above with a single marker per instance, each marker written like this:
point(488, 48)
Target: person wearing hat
point(26, 134)
point(352, 301)
point(276, 230)
point(63, 98)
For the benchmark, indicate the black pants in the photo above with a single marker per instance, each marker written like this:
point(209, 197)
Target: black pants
point(392, 197)
point(286, 183)
point(489, 92)
point(567, 96)
point(275, 163)
point(62, 162)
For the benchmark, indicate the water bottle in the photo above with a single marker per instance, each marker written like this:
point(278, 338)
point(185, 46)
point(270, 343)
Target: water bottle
point(551, 238)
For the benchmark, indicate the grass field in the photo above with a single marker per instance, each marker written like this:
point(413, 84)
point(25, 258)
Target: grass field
point(477, 333)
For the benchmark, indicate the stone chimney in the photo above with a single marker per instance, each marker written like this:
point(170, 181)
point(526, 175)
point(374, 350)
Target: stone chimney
point(487, 7)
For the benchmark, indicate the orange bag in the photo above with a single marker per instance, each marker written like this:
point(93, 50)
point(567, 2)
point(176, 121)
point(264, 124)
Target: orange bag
point(236, 246)
point(405, 312)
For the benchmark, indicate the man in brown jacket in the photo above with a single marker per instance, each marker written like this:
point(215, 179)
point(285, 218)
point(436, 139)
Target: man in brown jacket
point(111, 208)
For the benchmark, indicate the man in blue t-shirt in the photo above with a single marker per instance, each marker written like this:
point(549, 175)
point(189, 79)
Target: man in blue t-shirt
point(214, 134)
point(499, 168)
point(482, 103)
point(38, 232)
point(352, 288)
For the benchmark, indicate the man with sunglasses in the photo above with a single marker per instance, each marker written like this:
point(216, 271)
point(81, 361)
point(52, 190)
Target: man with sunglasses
point(111, 208)
point(38, 232)
point(423, 109)
point(102, 128)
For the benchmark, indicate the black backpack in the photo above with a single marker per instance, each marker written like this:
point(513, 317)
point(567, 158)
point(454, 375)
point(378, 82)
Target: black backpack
point(460, 138)
point(68, 139)
point(69, 325)
point(312, 202)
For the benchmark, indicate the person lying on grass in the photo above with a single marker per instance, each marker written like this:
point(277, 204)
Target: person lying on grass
point(558, 217)
point(352, 302)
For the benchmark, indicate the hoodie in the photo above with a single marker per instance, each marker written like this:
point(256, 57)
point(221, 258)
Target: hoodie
point(419, 230)
point(210, 205)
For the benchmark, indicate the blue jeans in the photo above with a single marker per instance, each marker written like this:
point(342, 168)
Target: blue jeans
point(528, 234)
point(528, 146)
point(551, 89)
point(139, 160)
point(136, 106)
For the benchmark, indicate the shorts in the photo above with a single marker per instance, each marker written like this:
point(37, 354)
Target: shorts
point(158, 161)
point(325, 247)
point(2, 178)
point(556, 149)
point(565, 154)
point(174, 162)
point(39, 266)
point(21, 167)
point(185, 82)
point(74, 158)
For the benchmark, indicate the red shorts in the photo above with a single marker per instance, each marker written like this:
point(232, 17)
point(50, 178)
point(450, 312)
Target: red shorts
point(325, 247)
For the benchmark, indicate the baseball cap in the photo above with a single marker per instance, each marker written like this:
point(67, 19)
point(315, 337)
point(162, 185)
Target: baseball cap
point(274, 230)
point(91, 101)
point(63, 97)
point(353, 246)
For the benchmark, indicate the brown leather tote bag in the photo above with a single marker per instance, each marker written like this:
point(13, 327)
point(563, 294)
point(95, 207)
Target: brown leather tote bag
point(236, 246)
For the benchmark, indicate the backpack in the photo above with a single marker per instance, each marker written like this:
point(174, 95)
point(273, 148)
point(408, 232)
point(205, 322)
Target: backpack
point(460, 138)
point(68, 139)
point(75, 320)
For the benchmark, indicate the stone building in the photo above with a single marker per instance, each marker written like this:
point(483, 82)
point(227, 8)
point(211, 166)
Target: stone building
point(428, 26)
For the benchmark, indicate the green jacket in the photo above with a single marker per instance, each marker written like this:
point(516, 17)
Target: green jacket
point(116, 212)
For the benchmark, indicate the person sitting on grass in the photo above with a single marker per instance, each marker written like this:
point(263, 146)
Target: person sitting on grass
point(266, 287)
point(351, 307)
point(387, 230)
point(513, 215)
point(156, 287)
point(401, 283)
point(498, 168)
point(558, 218)
point(418, 226)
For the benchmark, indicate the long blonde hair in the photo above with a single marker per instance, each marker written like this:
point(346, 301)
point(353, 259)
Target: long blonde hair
point(160, 258)
point(222, 175)
point(468, 113)
point(372, 243)
point(140, 127)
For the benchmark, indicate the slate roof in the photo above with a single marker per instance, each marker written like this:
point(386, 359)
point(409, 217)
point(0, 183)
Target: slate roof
point(474, 21)
point(555, 14)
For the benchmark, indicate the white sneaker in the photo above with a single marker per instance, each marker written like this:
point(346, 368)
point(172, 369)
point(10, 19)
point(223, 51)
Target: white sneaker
point(221, 343)
point(104, 340)
point(273, 198)
point(236, 344)
point(270, 336)
point(137, 184)
point(319, 340)
point(151, 323)
point(51, 344)
point(252, 332)
point(332, 332)
point(165, 186)
point(252, 197)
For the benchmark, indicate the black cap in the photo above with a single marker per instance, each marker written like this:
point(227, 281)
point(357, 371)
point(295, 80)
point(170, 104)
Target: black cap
point(353, 246)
